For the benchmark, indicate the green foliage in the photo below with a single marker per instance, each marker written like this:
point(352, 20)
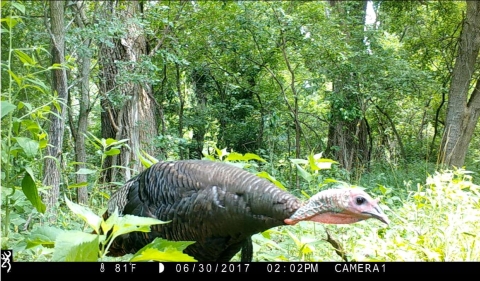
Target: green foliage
point(103, 148)
point(30, 189)
point(23, 137)
point(44, 236)
point(163, 250)
point(220, 78)
point(75, 245)
point(440, 221)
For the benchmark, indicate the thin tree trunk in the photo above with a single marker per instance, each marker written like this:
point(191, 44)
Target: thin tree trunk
point(181, 106)
point(53, 157)
point(81, 129)
point(199, 81)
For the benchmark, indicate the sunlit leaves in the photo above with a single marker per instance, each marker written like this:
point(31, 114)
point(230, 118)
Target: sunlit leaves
point(86, 214)
point(76, 246)
point(45, 236)
point(164, 250)
point(267, 176)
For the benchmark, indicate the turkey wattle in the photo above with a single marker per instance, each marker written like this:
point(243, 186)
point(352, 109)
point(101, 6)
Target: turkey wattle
point(221, 206)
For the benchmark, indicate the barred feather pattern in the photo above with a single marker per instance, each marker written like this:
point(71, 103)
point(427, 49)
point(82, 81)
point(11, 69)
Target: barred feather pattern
point(216, 204)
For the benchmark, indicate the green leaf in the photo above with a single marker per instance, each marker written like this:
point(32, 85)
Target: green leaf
point(272, 179)
point(43, 143)
point(235, 156)
point(86, 214)
point(57, 66)
point(40, 84)
point(11, 21)
point(78, 185)
point(299, 161)
point(145, 162)
point(325, 163)
point(130, 223)
point(168, 255)
point(150, 157)
point(96, 141)
point(304, 174)
point(306, 249)
point(113, 151)
point(147, 159)
point(330, 180)
point(26, 59)
point(85, 171)
point(44, 235)
point(305, 194)
point(76, 246)
point(164, 250)
point(25, 88)
point(29, 146)
point(15, 77)
point(252, 156)
point(221, 153)
point(104, 194)
point(7, 108)
point(108, 224)
point(31, 125)
point(19, 7)
point(30, 189)
point(30, 172)
point(109, 142)
point(311, 162)
point(57, 105)
point(208, 157)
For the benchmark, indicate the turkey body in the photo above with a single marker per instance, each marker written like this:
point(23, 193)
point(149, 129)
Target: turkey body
point(215, 204)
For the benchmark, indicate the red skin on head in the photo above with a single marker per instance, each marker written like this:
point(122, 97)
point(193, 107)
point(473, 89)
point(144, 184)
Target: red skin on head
point(359, 206)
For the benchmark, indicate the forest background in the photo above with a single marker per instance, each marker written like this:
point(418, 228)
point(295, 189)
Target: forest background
point(380, 94)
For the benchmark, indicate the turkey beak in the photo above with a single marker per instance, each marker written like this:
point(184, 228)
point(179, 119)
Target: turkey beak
point(378, 214)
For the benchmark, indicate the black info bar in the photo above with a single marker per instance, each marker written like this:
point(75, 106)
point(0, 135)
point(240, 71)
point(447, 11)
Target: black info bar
point(228, 268)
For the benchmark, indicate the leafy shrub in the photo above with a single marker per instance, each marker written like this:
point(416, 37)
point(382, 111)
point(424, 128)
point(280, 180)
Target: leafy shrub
point(440, 221)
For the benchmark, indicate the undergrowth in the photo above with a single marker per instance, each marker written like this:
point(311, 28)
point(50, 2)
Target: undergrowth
point(438, 220)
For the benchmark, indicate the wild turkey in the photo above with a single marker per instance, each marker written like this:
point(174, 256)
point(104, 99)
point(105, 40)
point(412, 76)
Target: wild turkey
point(221, 206)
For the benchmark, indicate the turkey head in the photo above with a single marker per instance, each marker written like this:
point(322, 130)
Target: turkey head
point(339, 206)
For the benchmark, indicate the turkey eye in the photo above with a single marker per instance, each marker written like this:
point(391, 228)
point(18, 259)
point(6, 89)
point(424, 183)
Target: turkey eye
point(360, 200)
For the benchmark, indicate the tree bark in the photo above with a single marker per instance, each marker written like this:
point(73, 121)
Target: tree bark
point(135, 118)
point(53, 156)
point(181, 107)
point(80, 129)
point(463, 110)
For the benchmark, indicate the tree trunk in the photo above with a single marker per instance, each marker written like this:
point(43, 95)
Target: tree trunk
point(463, 111)
point(135, 118)
point(80, 130)
point(53, 156)
point(181, 107)
point(199, 81)
point(347, 136)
